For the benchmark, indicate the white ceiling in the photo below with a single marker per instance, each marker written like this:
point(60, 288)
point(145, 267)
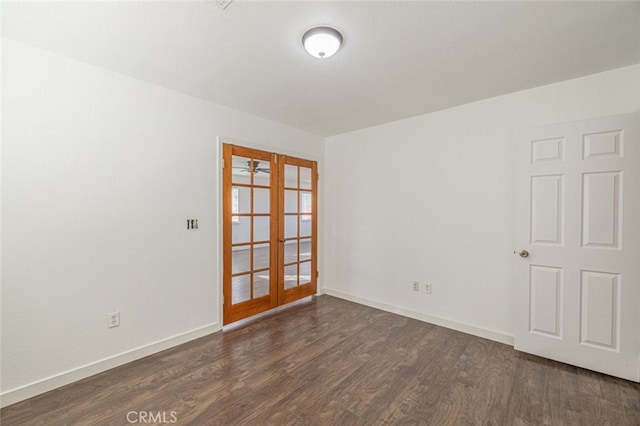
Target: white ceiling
point(400, 59)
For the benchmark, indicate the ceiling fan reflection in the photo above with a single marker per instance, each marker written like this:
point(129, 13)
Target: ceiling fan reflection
point(256, 168)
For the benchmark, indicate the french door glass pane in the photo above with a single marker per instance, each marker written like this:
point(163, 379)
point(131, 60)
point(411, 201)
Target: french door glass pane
point(291, 226)
point(291, 251)
point(305, 178)
point(305, 273)
point(261, 177)
point(260, 228)
point(241, 288)
point(241, 230)
point(241, 261)
point(290, 276)
point(305, 226)
point(240, 172)
point(241, 200)
point(305, 202)
point(305, 249)
point(261, 200)
point(290, 201)
point(261, 256)
point(290, 176)
point(260, 284)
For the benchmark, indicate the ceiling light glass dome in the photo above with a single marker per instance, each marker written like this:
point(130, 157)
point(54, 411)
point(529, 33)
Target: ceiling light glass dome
point(322, 42)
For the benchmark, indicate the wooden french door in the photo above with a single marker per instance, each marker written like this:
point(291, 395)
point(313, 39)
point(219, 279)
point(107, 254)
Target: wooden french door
point(297, 260)
point(269, 230)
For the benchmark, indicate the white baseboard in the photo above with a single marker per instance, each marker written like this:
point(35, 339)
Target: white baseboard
point(25, 392)
point(41, 386)
point(454, 325)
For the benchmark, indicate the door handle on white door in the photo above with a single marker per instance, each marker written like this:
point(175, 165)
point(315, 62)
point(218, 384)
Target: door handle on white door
point(523, 253)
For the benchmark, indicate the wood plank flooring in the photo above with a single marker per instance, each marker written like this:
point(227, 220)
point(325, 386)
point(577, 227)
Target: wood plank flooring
point(333, 362)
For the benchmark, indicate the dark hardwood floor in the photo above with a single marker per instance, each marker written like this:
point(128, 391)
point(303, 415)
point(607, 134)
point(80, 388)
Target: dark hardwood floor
point(333, 362)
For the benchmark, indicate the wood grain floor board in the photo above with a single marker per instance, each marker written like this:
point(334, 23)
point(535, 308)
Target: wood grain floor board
point(603, 397)
point(326, 373)
point(390, 370)
point(527, 400)
point(630, 400)
point(395, 380)
point(332, 362)
point(420, 396)
point(498, 382)
point(561, 396)
point(436, 382)
point(470, 393)
point(339, 372)
point(481, 376)
point(271, 378)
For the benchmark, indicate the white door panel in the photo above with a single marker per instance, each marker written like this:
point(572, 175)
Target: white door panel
point(547, 213)
point(578, 291)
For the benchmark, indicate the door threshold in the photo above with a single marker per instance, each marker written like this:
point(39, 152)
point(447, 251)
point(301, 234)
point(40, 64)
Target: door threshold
point(247, 321)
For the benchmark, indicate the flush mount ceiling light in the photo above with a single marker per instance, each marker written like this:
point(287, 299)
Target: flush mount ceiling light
point(322, 42)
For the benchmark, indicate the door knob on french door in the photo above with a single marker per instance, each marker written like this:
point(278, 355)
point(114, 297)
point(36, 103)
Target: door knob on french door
point(523, 253)
point(282, 240)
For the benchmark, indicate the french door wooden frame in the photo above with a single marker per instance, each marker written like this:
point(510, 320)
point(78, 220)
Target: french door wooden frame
point(291, 242)
point(303, 288)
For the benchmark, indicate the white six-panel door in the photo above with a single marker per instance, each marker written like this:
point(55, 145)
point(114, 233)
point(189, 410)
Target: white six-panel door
point(578, 219)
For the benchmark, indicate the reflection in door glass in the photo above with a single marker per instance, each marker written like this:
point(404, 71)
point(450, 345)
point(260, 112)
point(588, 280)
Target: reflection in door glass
point(305, 273)
point(261, 200)
point(305, 226)
point(260, 256)
point(260, 284)
point(290, 276)
point(305, 249)
point(305, 178)
point(260, 228)
point(305, 202)
point(240, 170)
point(291, 251)
point(290, 176)
point(244, 169)
point(262, 174)
point(291, 226)
point(306, 205)
point(290, 201)
point(241, 230)
point(241, 201)
point(241, 261)
point(241, 288)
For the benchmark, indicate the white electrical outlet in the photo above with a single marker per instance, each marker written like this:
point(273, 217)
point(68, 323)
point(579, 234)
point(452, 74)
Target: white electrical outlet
point(416, 286)
point(113, 319)
point(427, 288)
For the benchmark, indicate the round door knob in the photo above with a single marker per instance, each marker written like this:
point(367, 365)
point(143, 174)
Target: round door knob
point(523, 253)
point(282, 240)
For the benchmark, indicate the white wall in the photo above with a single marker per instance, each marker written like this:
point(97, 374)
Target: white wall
point(432, 199)
point(100, 172)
